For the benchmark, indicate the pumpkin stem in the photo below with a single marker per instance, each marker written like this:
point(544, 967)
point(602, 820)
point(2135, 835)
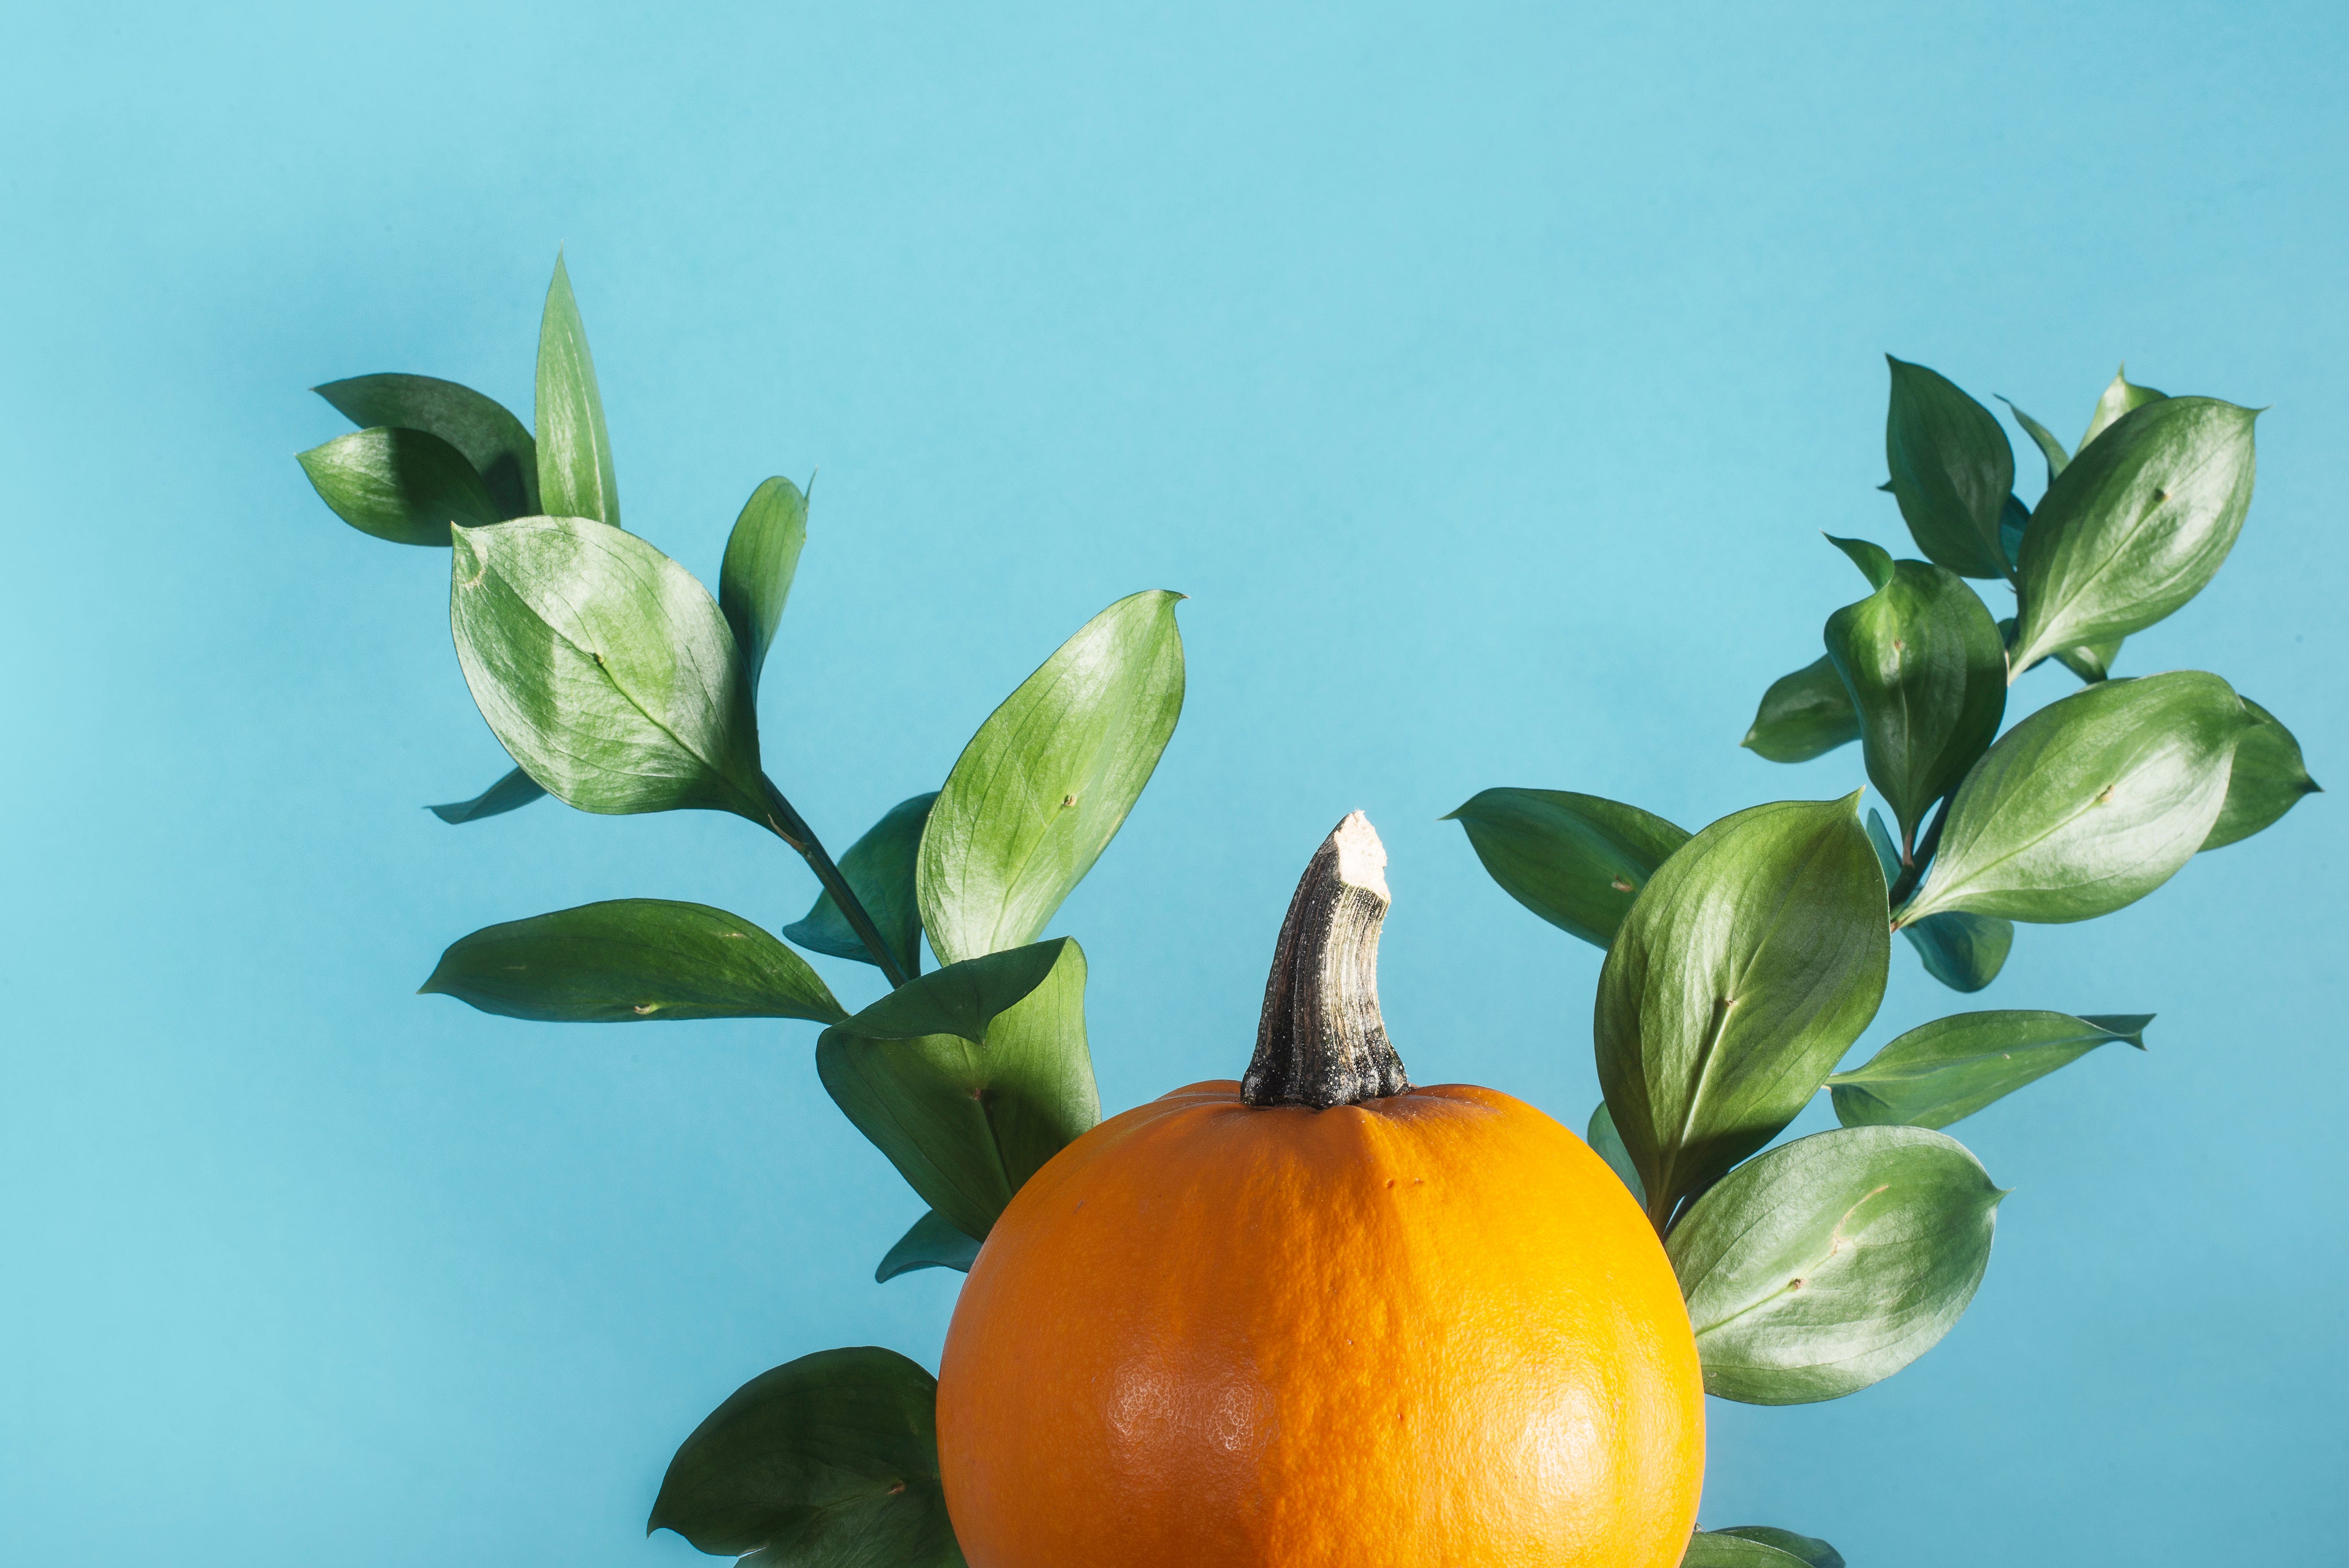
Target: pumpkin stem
point(1320, 1041)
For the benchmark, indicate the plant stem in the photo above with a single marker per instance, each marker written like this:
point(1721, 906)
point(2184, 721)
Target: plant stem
point(790, 826)
point(1914, 872)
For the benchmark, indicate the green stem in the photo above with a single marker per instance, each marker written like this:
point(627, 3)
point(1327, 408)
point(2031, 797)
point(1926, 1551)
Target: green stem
point(790, 826)
point(1914, 872)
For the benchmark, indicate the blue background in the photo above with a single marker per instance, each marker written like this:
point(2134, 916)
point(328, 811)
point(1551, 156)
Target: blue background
point(1485, 375)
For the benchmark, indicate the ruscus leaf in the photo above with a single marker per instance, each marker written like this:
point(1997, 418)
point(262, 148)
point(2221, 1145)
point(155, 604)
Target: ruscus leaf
point(574, 449)
point(828, 1462)
point(2119, 399)
point(1745, 968)
point(2269, 778)
point(1044, 786)
point(492, 439)
point(2089, 804)
point(632, 961)
point(1951, 470)
point(1804, 715)
point(1945, 1071)
point(962, 999)
point(932, 1242)
point(400, 486)
point(1721, 1549)
point(1832, 1262)
point(1808, 1550)
point(1874, 561)
point(762, 555)
point(2043, 438)
point(1963, 951)
point(1607, 1144)
point(515, 790)
point(1576, 860)
point(879, 867)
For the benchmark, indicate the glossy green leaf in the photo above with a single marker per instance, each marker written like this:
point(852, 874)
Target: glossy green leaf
point(2043, 438)
point(2133, 528)
point(828, 1462)
point(762, 555)
point(1576, 860)
point(1745, 968)
point(1607, 1144)
point(2269, 778)
point(574, 449)
point(1951, 470)
point(632, 961)
point(605, 668)
point(1720, 1549)
point(1808, 1550)
point(2091, 662)
point(933, 1243)
point(1833, 1262)
point(1804, 715)
point(1963, 951)
point(879, 872)
point(1945, 1071)
point(492, 439)
point(400, 486)
point(2089, 804)
point(1047, 780)
point(1874, 561)
point(2119, 399)
point(515, 790)
point(964, 1125)
point(962, 999)
point(1927, 672)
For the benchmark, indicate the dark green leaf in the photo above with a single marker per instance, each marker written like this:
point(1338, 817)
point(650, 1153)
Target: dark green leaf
point(2089, 804)
point(1874, 561)
point(2119, 399)
point(962, 999)
point(2091, 662)
point(630, 961)
point(1808, 1550)
point(511, 793)
point(1833, 1262)
point(1963, 951)
point(933, 1243)
point(1607, 1144)
point(491, 438)
point(1745, 968)
point(2142, 519)
point(605, 668)
point(574, 449)
point(828, 1462)
point(2043, 438)
point(879, 872)
point(1721, 1549)
point(400, 486)
point(761, 555)
point(2268, 779)
point(1576, 860)
point(1047, 780)
point(2013, 522)
point(1951, 470)
point(964, 1123)
point(1945, 1071)
point(1927, 671)
point(1804, 715)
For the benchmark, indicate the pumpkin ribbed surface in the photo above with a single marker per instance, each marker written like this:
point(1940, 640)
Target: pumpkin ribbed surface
point(1431, 1330)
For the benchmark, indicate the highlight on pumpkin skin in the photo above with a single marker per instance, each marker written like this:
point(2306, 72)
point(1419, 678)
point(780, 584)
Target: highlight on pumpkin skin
point(1400, 1328)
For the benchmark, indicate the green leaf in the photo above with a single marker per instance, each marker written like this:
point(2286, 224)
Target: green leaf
point(1576, 860)
point(2118, 399)
point(1808, 1550)
point(2089, 804)
point(761, 555)
point(1804, 715)
point(574, 449)
point(400, 486)
point(933, 1243)
point(491, 438)
point(1963, 951)
point(511, 793)
point(1951, 470)
point(962, 999)
point(828, 1462)
point(1044, 786)
point(1833, 1262)
point(1927, 671)
point(2013, 522)
point(605, 668)
point(1607, 1144)
point(2269, 778)
point(964, 1125)
point(2043, 438)
point(1874, 561)
point(1721, 1549)
point(631, 960)
point(2142, 519)
point(1744, 970)
point(1945, 1071)
point(2091, 662)
point(879, 872)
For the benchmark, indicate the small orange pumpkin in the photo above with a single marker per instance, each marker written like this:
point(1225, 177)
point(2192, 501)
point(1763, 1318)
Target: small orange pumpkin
point(1322, 1319)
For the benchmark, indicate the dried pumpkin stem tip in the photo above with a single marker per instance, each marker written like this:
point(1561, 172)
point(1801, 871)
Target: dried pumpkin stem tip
point(1321, 1042)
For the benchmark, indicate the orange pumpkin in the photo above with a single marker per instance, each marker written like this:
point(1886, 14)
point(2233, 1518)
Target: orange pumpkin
point(1322, 1319)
